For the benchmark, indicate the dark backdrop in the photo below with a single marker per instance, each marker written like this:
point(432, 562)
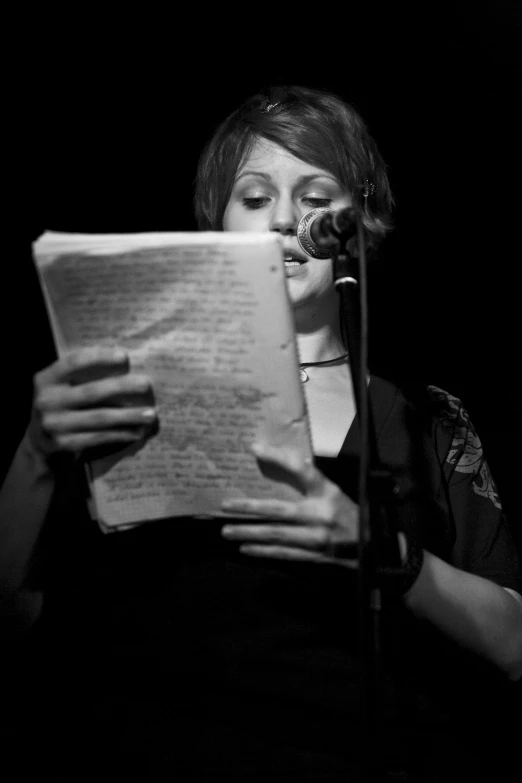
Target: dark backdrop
point(108, 128)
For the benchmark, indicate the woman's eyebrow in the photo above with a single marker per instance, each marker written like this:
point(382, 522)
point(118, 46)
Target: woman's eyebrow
point(302, 180)
point(254, 174)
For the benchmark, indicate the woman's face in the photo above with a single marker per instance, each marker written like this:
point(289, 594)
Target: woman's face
point(271, 192)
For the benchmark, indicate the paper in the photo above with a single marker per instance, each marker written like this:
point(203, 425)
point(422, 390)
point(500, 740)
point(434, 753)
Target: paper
point(207, 317)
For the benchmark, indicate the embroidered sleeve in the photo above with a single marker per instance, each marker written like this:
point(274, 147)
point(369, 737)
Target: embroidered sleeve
point(483, 539)
point(465, 454)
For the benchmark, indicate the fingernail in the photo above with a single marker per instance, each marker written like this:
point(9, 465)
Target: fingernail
point(148, 413)
point(226, 530)
point(120, 355)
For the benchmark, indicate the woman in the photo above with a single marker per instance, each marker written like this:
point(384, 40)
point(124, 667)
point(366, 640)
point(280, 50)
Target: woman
point(211, 650)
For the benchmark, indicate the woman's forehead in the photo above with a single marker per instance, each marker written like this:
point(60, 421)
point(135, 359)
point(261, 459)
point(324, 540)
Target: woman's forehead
point(267, 157)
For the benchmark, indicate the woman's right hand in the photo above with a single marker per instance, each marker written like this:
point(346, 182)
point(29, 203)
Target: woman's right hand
point(89, 399)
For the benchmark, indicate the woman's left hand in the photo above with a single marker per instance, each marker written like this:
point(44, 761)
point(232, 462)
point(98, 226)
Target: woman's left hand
point(322, 527)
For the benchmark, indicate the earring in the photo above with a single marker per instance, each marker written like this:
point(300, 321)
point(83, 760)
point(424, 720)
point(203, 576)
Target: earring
point(368, 188)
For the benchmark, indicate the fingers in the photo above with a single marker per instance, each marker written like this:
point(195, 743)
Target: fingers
point(97, 419)
point(269, 509)
point(73, 431)
point(318, 510)
point(296, 555)
point(332, 541)
point(89, 399)
point(300, 471)
point(86, 364)
point(322, 526)
point(123, 390)
point(80, 442)
point(315, 538)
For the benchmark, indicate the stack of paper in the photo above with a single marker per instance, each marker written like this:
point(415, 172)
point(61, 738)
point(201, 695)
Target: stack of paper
point(207, 317)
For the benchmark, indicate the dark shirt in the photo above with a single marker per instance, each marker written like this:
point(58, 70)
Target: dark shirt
point(172, 654)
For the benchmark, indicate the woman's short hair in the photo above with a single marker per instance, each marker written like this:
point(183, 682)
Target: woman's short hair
point(314, 126)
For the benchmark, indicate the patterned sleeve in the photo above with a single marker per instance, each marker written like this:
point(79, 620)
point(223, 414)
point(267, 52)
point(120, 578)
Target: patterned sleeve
point(484, 544)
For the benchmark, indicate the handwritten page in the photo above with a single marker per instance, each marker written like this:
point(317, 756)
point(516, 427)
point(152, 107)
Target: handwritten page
point(206, 316)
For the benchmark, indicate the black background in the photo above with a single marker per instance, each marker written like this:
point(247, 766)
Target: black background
point(108, 120)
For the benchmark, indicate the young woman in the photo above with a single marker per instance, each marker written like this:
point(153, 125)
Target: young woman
point(197, 650)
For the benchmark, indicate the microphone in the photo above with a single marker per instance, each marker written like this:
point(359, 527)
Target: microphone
point(321, 229)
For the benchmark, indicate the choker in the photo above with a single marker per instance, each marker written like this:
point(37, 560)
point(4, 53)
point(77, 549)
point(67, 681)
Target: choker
point(304, 365)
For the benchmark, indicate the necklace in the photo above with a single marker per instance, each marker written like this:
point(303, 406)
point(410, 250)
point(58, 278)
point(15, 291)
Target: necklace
point(304, 365)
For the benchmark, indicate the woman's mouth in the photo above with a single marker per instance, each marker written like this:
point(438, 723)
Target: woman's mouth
point(294, 263)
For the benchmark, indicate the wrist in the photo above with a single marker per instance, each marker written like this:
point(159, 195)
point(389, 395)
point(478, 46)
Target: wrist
point(38, 461)
point(412, 560)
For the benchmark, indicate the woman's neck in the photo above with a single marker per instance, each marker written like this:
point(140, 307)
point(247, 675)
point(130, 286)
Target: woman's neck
point(319, 339)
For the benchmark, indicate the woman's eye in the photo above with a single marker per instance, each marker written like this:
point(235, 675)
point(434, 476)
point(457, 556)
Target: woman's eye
point(255, 203)
point(317, 202)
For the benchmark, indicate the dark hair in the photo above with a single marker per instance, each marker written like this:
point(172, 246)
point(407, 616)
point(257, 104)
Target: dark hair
point(313, 125)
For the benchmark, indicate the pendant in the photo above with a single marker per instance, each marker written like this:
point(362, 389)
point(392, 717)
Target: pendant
point(304, 375)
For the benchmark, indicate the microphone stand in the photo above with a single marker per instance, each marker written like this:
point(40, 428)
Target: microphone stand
point(378, 548)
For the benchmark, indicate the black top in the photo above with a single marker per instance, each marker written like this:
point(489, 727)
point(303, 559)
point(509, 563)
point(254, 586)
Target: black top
point(173, 654)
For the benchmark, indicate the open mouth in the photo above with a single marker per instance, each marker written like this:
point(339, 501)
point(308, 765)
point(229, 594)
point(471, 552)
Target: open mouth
point(294, 260)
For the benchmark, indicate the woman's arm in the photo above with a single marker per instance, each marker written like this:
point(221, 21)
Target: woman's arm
point(24, 501)
point(86, 400)
point(467, 599)
point(475, 612)
point(321, 527)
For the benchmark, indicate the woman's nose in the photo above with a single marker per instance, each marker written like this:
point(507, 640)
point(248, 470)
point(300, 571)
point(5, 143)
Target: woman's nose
point(284, 218)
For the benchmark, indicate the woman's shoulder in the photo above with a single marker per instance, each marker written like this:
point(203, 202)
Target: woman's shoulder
point(426, 398)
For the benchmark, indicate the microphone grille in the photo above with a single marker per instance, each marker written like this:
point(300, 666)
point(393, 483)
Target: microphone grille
point(304, 238)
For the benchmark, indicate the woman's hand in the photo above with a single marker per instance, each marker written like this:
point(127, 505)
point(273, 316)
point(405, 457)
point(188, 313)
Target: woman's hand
point(89, 399)
point(322, 527)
